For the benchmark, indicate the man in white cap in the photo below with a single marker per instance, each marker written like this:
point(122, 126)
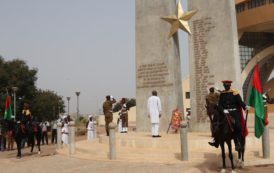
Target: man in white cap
point(154, 113)
point(90, 128)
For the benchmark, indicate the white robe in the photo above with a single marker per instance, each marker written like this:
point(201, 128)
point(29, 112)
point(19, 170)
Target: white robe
point(90, 128)
point(65, 132)
point(154, 109)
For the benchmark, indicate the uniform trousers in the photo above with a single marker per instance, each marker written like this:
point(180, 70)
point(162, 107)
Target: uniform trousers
point(237, 126)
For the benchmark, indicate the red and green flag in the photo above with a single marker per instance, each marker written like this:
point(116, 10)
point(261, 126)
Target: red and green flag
point(256, 101)
point(8, 111)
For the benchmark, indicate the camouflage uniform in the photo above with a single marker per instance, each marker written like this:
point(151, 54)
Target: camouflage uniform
point(212, 100)
point(107, 109)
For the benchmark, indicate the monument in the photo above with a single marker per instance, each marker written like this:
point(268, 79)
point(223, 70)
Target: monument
point(158, 58)
point(213, 53)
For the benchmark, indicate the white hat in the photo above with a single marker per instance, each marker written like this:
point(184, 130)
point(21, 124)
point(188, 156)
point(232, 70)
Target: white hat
point(64, 117)
point(90, 116)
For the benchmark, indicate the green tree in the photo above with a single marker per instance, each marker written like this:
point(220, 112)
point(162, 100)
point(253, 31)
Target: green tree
point(17, 73)
point(46, 105)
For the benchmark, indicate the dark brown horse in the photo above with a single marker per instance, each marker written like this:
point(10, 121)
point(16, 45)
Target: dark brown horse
point(224, 134)
point(30, 131)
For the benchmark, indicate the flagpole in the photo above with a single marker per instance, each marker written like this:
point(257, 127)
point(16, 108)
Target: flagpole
point(14, 89)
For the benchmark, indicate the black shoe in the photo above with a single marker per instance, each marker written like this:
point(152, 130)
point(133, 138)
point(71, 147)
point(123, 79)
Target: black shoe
point(214, 144)
point(158, 136)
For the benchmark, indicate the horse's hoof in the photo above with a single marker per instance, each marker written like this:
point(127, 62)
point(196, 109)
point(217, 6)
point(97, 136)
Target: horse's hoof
point(223, 171)
point(242, 165)
point(233, 171)
point(238, 163)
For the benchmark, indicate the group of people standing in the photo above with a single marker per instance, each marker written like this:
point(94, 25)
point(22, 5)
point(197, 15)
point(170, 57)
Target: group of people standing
point(123, 113)
point(154, 113)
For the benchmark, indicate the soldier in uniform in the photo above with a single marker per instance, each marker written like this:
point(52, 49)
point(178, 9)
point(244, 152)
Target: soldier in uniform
point(212, 100)
point(107, 109)
point(230, 103)
point(124, 115)
point(27, 117)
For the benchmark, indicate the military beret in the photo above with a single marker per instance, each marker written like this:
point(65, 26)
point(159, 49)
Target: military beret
point(227, 81)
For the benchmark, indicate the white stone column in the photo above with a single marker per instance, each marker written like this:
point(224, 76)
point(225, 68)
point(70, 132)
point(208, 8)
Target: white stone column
point(184, 142)
point(59, 135)
point(71, 137)
point(112, 141)
point(266, 143)
point(95, 130)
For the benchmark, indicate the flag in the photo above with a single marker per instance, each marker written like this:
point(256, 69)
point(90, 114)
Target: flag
point(8, 112)
point(256, 101)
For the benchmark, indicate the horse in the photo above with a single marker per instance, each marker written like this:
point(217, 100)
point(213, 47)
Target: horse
point(225, 135)
point(31, 131)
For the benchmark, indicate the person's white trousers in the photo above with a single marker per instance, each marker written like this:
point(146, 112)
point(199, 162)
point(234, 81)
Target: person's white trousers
point(90, 135)
point(155, 129)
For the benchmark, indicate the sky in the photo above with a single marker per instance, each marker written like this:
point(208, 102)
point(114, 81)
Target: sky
point(86, 46)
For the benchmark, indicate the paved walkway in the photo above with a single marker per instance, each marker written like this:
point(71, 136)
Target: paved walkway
point(50, 161)
point(61, 164)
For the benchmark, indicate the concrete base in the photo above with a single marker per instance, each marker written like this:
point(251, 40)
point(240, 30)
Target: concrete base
point(142, 148)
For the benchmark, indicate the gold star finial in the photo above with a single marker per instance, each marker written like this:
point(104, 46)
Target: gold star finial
point(179, 20)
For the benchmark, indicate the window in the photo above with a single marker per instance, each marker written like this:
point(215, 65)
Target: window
point(255, 3)
point(240, 7)
point(187, 95)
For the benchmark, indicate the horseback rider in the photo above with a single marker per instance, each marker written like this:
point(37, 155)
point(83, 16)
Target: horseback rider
point(212, 100)
point(230, 103)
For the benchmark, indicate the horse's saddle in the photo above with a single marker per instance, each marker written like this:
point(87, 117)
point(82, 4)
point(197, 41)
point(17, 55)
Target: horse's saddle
point(23, 128)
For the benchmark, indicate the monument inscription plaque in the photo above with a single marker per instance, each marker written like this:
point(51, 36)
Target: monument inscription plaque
point(153, 75)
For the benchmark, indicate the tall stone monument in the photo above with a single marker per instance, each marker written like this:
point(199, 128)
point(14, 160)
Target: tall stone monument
point(213, 53)
point(157, 61)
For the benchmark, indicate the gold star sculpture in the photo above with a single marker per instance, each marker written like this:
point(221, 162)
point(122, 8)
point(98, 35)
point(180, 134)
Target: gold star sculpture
point(179, 20)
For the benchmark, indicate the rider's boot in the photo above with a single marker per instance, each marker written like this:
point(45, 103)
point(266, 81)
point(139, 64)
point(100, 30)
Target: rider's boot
point(214, 143)
point(237, 144)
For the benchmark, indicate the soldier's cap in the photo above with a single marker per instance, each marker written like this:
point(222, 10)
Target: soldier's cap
point(227, 82)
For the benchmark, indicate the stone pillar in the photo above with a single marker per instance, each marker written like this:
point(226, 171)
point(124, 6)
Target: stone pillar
point(213, 54)
point(59, 135)
point(71, 137)
point(184, 143)
point(266, 143)
point(112, 141)
point(158, 64)
point(95, 130)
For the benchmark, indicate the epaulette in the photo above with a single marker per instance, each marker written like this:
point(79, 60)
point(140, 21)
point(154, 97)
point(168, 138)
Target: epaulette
point(235, 92)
